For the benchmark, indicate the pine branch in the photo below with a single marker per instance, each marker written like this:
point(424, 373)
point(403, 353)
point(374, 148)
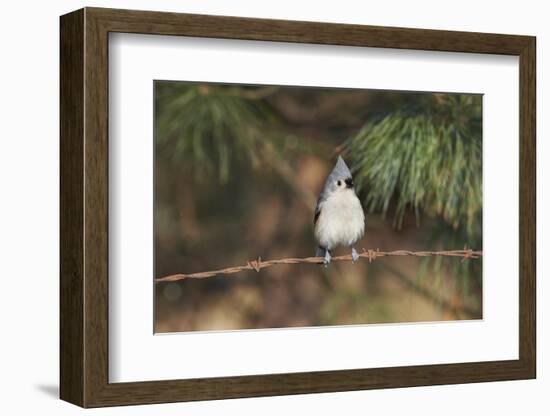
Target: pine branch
point(371, 255)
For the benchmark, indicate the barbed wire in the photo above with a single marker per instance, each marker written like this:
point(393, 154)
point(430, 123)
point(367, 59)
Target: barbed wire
point(370, 254)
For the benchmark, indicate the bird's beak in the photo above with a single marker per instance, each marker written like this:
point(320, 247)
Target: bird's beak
point(349, 182)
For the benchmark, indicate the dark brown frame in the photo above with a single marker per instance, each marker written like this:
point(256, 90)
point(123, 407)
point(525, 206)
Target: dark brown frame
point(84, 213)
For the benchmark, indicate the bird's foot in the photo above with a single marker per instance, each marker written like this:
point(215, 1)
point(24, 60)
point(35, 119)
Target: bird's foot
point(326, 261)
point(354, 255)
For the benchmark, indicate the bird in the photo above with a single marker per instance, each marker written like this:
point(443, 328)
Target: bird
point(339, 218)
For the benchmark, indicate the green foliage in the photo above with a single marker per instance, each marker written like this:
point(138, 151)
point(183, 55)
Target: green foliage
point(207, 127)
point(426, 157)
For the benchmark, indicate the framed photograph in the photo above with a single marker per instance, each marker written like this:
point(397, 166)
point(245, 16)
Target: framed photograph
point(256, 207)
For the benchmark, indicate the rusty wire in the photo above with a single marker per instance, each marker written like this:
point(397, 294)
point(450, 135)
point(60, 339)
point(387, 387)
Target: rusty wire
point(370, 255)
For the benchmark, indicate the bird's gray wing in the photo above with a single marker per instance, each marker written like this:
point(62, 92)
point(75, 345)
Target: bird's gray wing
point(318, 209)
point(317, 213)
point(320, 251)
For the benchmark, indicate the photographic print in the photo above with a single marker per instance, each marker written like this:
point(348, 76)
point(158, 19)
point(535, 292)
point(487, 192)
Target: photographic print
point(293, 206)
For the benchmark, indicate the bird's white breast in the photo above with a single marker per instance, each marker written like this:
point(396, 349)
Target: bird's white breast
point(341, 221)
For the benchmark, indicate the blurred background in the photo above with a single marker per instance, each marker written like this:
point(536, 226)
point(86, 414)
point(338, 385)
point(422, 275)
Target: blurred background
point(238, 169)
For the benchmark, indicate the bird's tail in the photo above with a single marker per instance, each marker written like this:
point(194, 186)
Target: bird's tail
point(320, 252)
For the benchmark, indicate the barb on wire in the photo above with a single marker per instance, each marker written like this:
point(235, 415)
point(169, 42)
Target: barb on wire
point(370, 254)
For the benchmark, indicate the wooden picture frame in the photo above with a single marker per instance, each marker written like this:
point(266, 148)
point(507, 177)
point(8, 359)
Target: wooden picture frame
point(84, 207)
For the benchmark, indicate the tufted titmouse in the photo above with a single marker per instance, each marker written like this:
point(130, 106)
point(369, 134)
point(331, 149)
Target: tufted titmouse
point(339, 217)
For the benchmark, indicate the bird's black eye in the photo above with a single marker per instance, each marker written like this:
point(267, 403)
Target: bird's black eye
point(339, 183)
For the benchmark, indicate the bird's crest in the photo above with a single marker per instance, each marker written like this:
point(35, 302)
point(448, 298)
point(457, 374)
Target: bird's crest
point(341, 170)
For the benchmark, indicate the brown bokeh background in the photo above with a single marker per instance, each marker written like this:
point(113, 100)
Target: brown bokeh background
point(261, 205)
